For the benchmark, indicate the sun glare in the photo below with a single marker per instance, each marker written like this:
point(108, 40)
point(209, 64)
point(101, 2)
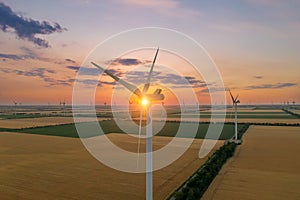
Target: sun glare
point(145, 102)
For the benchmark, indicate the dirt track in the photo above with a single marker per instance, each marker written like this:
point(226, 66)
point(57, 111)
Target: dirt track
point(265, 166)
point(49, 167)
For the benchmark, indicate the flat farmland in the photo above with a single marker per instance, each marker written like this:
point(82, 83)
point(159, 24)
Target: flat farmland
point(273, 114)
point(109, 126)
point(263, 120)
point(44, 167)
point(40, 121)
point(295, 111)
point(265, 166)
point(244, 116)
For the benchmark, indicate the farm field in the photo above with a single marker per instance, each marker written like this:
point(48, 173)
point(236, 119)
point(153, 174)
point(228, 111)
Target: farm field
point(274, 121)
point(242, 113)
point(245, 115)
point(53, 163)
point(265, 166)
point(35, 116)
point(44, 167)
point(40, 121)
point(288, 120)
point(109, 126)
point(295, 111)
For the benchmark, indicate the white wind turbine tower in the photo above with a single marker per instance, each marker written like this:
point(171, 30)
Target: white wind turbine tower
point(235, 101)
point(16, 104)
point(105, 108)
point(62, 105)
point(145, 100)
point(294, 105)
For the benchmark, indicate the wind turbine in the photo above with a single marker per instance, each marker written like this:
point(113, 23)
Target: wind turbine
point(145, 100)
point(105, 110)
point(294, 105)
point(161, 114)
point(62, 105)
point(235, 101)
point(16, 104)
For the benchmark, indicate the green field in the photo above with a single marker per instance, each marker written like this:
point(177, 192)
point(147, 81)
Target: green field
point(21, 116)
point(247, 113)
point(230, 115)
point(169, 129)
point(240, 116)
point(34, 115)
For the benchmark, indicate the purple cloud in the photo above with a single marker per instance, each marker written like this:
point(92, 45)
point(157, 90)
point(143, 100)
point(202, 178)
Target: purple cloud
point(126, 61)
point(70, 60)
point(271, 86)
point(26, 28)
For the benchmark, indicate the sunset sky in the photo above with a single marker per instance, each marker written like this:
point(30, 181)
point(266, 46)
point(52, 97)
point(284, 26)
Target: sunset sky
point(254, 43)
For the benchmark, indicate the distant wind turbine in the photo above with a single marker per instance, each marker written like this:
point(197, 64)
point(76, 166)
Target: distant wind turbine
point(105, 109)
point(294, 105)
point(145, 101)
point(161, 115)
point(62, 105)
point(235, 101)
point(16, 104)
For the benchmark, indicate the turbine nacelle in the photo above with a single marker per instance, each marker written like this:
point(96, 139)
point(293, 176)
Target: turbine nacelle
point(234, 100)
point(156, 96)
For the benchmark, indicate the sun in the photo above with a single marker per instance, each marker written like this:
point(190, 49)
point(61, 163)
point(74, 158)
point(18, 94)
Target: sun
point(145, 102)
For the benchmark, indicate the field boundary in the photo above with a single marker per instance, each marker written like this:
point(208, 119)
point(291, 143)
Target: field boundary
point(291, 113)
point(196, 185)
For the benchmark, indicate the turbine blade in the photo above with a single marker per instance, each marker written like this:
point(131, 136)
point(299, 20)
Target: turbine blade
point(127, 85)
point(231, 96)
point(235, 100)
point(147, 84)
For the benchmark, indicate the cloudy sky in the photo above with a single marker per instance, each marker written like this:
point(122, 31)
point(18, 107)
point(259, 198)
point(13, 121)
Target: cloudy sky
point(254, 43)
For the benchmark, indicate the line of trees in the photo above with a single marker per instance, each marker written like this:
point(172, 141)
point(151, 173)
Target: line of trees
point(291, 113)
point(275, 124)
point(199, 182)
point(243, 130)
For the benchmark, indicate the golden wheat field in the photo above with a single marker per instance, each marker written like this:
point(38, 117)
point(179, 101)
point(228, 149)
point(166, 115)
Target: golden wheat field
point(49, 167)
point(287, 121)
point(265, 166)
point(41, 121)
point(295, 111)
